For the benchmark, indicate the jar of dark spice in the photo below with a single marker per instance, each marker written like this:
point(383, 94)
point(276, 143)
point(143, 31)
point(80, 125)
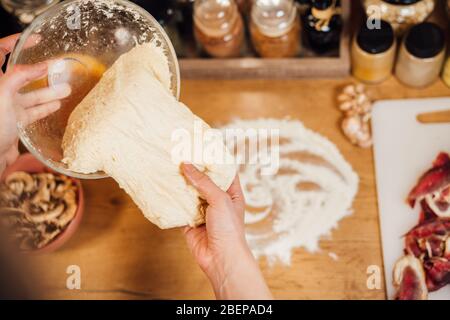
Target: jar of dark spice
point(218, 27)
point(185, 24)
point(322, 25)
point(275, 28)
point(421, 55)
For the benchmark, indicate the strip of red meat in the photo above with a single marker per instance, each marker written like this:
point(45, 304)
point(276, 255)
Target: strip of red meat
point(428, 242)
point(435, 179)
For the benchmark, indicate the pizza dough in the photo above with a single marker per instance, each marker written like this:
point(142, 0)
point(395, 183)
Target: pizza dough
point(124, 127)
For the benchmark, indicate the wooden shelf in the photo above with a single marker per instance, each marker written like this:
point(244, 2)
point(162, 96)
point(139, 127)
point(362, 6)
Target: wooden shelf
point(253, 67)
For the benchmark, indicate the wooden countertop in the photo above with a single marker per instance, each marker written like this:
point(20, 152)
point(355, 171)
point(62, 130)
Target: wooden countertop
point(123, 256)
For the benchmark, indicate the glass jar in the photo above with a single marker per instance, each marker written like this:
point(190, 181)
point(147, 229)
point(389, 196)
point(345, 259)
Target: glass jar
point(218, 27)
point(373, 53)
point(275, 28)
point(322, 25)
point(27, 10)
point(303, 6)
point(421, 55)
point(446, 72)
point(244, 5)
point(185, 26)
point(401, 14)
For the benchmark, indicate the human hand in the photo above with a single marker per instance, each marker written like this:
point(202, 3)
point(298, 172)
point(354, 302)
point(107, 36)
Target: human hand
point(24, 108)
point(219, 246)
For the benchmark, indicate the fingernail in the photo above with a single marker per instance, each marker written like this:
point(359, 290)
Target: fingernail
point(187, 167)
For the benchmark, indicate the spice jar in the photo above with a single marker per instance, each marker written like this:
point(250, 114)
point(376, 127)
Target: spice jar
point(446, 72)
point(373, 53)
point(218, 27)
point(275, 28)
point(421, 55)
point(303, 6)
point(185, 26)
point(322, 24)
point(244, 6)
point(401, 14)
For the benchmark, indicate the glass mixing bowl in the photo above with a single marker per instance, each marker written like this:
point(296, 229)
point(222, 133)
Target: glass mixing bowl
point(80, 39)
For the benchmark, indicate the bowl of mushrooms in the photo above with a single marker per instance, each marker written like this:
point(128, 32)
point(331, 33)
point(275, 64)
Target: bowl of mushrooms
point(41, 208)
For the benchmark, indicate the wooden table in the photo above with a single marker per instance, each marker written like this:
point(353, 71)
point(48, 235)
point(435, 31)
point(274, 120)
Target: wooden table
point(123, 256)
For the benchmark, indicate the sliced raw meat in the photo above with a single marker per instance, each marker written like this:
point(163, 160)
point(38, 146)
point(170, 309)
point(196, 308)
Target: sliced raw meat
point(429, 242)
point(409, 279)
point(434, 187)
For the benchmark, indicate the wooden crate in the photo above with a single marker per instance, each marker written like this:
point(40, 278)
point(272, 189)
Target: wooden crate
point(304, 66)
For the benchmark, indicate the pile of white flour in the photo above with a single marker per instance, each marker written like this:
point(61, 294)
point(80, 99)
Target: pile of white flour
point(313, 189)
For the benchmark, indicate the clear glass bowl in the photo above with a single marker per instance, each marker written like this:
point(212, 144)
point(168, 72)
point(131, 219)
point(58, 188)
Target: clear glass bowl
point(80, 39)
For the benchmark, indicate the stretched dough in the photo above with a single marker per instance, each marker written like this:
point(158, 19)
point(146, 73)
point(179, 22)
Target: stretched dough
point(124, 127)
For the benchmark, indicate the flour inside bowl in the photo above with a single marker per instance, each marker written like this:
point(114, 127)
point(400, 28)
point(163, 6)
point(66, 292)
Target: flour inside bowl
point(313, 189)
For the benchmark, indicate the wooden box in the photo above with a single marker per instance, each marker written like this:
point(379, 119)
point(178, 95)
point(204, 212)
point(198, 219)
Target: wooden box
point(305, 66)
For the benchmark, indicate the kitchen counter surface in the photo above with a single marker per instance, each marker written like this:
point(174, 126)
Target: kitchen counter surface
point(123, 256)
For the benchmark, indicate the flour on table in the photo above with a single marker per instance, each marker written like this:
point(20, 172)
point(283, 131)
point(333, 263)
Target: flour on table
point(333, 256)
point(124, 127)
point(313, 189)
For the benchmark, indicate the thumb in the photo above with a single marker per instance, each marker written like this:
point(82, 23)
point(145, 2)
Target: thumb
point(204, 185)
point(19, 76)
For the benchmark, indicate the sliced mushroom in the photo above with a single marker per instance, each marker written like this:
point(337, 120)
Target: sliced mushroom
point(45, 183)
point(7, 197)
point(70, 210)
point(38, 207)
point(15, 179)
point(47, 238)
point(64, 184)
point(47, 216)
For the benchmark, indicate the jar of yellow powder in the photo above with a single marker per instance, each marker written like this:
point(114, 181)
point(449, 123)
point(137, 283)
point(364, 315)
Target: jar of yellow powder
point(421, 55)
point(373, 52)
point(446, 72)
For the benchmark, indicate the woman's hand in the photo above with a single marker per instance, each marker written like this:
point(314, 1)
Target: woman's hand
point(219, 246)
point(22, 108)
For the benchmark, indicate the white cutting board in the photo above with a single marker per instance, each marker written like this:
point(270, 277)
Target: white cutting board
point(404, 149)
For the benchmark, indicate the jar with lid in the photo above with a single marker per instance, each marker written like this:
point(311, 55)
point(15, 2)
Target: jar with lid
point(303, 6)
point(322, 25)
point(401, 14)
point(373, 52)
point(446, 72)
point(185, 26)
point(218, 27)
point(244, 6)
point(26, 10)
point(421, 55)
point(275, 28)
